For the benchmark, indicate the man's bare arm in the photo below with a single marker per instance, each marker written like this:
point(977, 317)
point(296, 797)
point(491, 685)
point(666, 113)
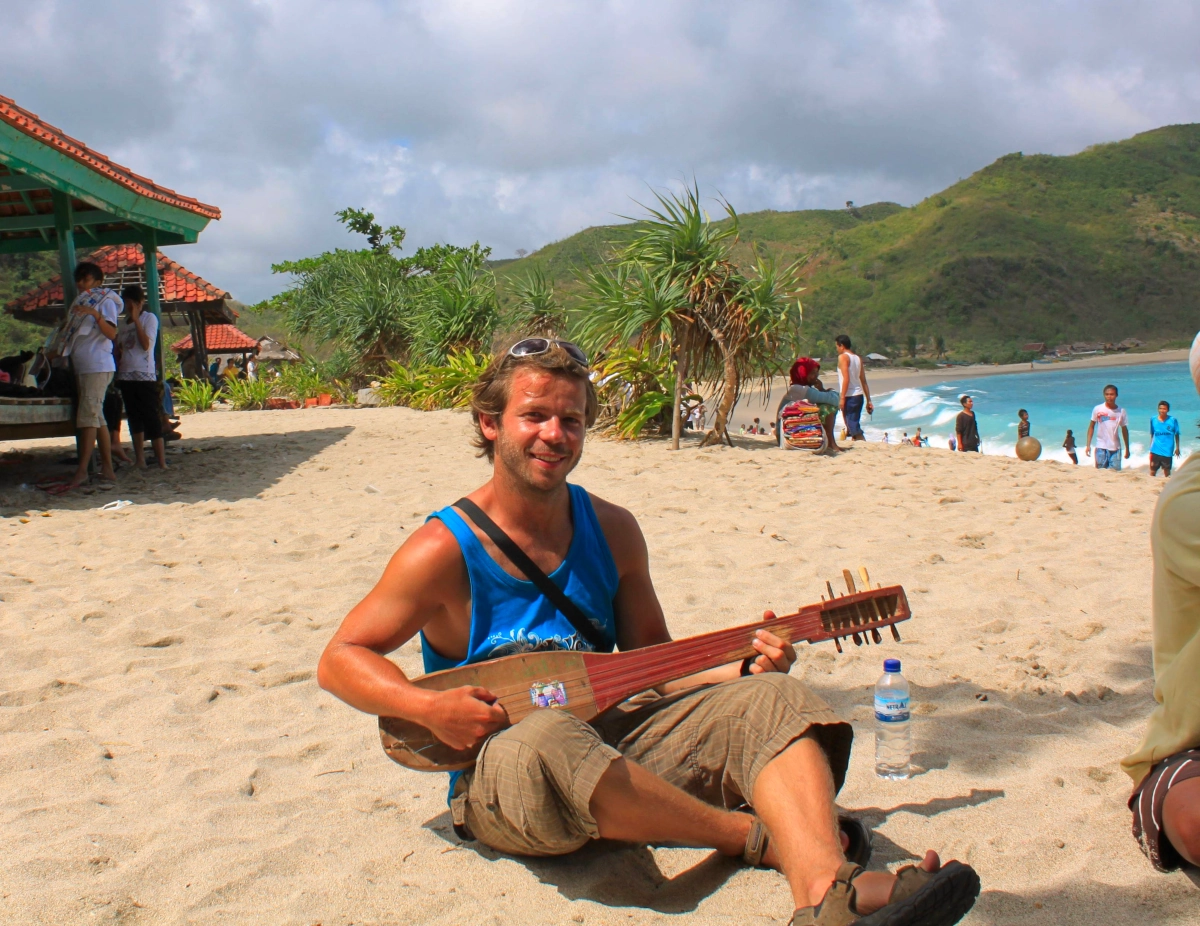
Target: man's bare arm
point(1125, 434)
point(862, 378)
point(1087, 448)
point(410, 594)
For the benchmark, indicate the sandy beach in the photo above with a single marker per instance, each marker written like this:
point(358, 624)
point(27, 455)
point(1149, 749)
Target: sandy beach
point(167, 756)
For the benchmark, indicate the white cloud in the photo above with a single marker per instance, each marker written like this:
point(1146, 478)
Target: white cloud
point(517, 123)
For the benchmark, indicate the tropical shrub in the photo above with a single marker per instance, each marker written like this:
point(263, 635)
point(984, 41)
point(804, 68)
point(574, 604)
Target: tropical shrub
point(375, 308)
point(246, 395)
point(674, 293)
point(195, 395)
point(433, 386)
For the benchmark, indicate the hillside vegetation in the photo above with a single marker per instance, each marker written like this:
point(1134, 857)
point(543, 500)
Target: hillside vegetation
point(1096, 246)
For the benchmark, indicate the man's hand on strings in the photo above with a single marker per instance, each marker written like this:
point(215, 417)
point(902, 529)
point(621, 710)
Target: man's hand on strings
point(774, 654)
point(464, 717)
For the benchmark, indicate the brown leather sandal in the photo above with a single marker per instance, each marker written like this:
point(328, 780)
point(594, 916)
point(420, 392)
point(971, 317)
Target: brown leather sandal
point(918, 898)
point(857, 832)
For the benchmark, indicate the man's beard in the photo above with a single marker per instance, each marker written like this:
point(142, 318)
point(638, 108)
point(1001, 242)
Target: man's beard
point(518, 465)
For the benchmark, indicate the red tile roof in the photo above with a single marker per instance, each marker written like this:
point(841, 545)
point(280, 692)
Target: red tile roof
point(220, 339)
point(25, 121)
point(178, 283)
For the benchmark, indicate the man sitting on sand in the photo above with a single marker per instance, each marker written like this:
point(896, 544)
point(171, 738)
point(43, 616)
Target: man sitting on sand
point(665, 770)
point(807, 387)
point(1166, 768)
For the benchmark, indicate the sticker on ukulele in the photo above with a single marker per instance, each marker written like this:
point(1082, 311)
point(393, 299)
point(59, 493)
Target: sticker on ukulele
point(548, 694)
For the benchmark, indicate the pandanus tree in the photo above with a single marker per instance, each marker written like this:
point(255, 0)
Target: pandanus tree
point(676, 289)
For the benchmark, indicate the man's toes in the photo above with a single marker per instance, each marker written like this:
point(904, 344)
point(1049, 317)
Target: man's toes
point(931, 862)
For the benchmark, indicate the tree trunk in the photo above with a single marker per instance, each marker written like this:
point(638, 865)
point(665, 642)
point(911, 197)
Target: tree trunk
point(680, 373)
point(728, 396)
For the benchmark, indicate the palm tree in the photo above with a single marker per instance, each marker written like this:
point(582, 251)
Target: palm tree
point(676, 285)
point(536, 310)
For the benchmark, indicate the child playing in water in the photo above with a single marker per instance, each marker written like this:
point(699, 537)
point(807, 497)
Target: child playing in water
point(1069, 447)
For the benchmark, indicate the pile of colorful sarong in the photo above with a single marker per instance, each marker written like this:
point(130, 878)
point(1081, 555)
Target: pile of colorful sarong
point(800, 426)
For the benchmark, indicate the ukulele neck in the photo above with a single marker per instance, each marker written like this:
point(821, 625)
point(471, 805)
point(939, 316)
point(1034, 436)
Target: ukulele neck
point(617, 677)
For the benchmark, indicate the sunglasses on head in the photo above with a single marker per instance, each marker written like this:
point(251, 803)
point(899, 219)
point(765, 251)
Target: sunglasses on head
point(531, 347)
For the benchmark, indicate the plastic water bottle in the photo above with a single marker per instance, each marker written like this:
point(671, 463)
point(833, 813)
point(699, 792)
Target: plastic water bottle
point(893, 739)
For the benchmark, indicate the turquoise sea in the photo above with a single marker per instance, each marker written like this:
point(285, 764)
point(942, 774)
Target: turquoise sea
point(1056, 399)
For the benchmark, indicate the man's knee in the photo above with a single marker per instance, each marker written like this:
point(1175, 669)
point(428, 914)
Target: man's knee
point(546, 730)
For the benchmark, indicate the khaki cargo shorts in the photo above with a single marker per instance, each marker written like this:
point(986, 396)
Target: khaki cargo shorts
point(530, 789)
point(89, 413)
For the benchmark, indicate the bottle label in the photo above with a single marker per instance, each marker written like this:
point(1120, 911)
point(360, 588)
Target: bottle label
point(891, 710)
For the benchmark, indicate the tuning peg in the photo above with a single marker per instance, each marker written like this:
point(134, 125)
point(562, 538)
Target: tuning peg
point(875, 635)
point(857, 640)
point(829, 586)
point(849, 581)
point(862, 574)
point(837, 641)
point(895, 633)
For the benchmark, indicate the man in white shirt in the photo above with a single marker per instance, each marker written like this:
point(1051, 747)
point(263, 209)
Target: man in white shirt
point(852, 382)
point(90, 348)
point(1107, 420)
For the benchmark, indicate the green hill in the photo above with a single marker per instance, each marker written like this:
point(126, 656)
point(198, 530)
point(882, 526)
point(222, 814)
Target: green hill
point(1096, 246)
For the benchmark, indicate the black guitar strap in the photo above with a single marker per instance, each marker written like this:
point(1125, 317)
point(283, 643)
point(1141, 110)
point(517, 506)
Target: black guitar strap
point(584, 625)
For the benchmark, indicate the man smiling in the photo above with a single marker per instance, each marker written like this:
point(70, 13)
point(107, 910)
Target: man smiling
point(672, 766)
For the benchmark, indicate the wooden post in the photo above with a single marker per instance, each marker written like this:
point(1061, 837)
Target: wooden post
point(64, 230)
point(150, 255)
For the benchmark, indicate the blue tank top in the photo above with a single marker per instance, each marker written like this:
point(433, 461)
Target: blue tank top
point(510, 615)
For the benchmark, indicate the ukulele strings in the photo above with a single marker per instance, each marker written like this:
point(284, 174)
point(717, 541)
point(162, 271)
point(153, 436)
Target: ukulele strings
point(696, 653)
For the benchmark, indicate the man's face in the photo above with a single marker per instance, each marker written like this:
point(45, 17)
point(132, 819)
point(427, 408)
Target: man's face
point(1163, 411)
point(88, 282)
point(969, 404)
point(1110, 398)
point(539, 437)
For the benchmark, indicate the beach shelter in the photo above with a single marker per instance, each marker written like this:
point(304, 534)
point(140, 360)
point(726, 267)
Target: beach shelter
point(57, 193)
point(185, 299)
point(219, 339)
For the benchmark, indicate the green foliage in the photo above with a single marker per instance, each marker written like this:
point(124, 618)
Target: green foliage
point(535, 310)
point(382, 240)
point(195, 395)
point(373, 307)
point(636, 388)
point(433, 386)
point(674, 295)
point(310, 378)
point(246, 395)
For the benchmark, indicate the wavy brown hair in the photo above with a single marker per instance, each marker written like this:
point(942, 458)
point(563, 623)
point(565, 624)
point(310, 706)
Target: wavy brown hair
point(490, 393)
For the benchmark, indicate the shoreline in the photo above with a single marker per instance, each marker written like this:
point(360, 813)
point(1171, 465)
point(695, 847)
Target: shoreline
point(884, 380)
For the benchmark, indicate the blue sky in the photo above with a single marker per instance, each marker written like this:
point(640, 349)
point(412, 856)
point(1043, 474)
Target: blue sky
point(517, 124)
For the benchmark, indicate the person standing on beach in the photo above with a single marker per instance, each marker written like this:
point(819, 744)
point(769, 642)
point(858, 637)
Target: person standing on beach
point(852, 384)
point(91, 353)
point(137, 376)
point(1164, 439)
point(1107, 420)
point(966, 428)
point(1165, 768)
point(664, 769)
point(1022, 424)
point(1069, 447)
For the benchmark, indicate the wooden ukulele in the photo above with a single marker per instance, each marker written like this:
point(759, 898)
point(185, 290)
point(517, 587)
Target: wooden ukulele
point(587, 684)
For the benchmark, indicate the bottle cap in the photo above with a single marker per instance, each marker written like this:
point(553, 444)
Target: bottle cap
point(891, 665)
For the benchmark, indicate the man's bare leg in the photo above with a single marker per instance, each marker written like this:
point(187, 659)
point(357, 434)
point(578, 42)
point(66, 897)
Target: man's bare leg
point(630, 804)
point(1181, 819)
point(88, 438)
point(793, 796)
